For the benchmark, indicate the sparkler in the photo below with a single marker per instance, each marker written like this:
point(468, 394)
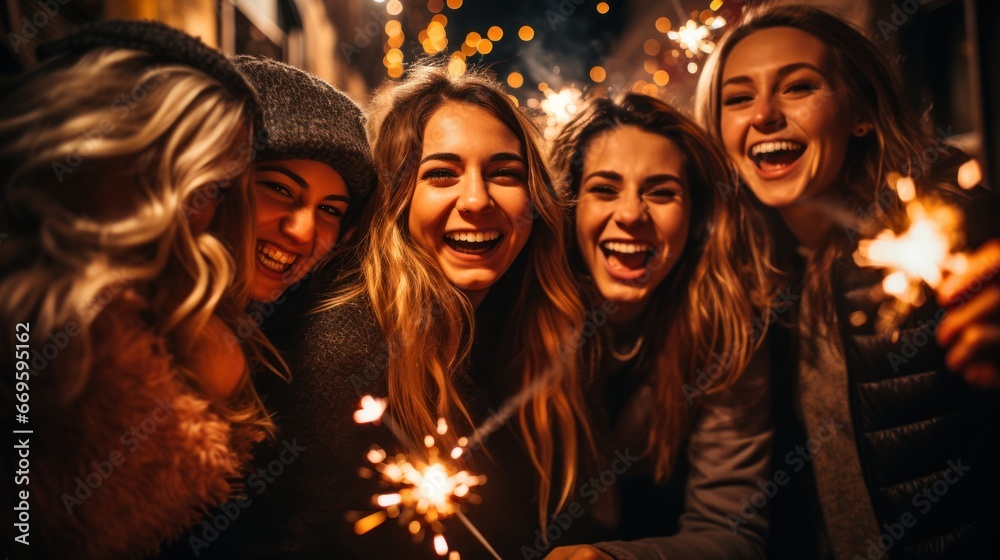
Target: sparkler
point(426, 492)
point(559, 108)
point(920, 255)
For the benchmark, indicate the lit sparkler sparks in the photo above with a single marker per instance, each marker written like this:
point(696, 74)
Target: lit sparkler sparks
point(559, 108)
point(425, 491)
point(920, 255)
point(694, 37)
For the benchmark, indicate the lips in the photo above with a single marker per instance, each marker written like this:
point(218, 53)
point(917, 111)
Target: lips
point(773, 157)
point(473, 242)
point(626, 260)
point(274, 259)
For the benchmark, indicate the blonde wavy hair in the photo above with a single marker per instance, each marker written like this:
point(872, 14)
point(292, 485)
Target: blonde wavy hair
point(105, 156)
point(705, 306)
point(429, 323)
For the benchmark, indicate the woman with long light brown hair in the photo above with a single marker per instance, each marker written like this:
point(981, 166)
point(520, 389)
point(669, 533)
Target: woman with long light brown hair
point(813, 117)
point(460, 299)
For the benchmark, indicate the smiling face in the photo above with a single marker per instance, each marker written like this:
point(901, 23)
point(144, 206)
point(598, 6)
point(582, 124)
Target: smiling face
point(783, 120)
point(632, 213)
point(470, 208)
point(300, 204)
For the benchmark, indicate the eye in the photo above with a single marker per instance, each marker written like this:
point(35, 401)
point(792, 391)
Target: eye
point(277, 187)
point(736, 99)
point(439, 174)
point(509, 173)
point(332, 210)
point(603, 191)
point(802, 86)
point(663, 194)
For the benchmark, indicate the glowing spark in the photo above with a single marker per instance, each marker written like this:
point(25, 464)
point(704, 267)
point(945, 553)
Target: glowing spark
point(371, 410)
point(440, 545)
point(559, 108)
point(970, 174)
point(366, 524)
point(920, 255)
point(694, 38)
point(430, 489)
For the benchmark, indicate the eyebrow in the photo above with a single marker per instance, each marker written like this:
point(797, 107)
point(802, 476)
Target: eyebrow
point(782, 72)
point(652, 179)
point(445, 156)
point(300, 181)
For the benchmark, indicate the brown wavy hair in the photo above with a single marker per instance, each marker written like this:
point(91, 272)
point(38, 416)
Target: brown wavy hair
point(703, 309)
point(429, 323)
point(896, 144)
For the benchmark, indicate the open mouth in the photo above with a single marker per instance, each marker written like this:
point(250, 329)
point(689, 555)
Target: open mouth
point(473, 242)
point(274, 259)
point(627, 256)
point(775, 156)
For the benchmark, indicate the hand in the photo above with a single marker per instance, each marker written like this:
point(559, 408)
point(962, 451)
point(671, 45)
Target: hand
point(581, 552)
point(970, 331)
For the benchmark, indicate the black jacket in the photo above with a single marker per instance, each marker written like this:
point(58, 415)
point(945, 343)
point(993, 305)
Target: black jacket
point(928, 443)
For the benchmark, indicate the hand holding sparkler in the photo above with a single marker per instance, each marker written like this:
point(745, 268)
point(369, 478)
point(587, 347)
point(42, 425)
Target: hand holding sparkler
point(971, 330)
point(968, 284)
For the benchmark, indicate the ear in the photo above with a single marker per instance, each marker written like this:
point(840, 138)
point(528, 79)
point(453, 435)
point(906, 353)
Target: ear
point(861, 126)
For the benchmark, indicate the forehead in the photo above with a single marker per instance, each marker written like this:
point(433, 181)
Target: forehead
point(462, 127)
point(773, 48)
point(630, 150)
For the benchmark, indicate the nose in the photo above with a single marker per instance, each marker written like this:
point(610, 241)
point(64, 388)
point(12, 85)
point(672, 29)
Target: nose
point(630, 210)
point(299, 226)
point(767, 116)
point(474, 196)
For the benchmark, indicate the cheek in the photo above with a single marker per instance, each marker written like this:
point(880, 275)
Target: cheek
point(268, 211)
point(732, 130)
point(326, 238)
point(672, 227)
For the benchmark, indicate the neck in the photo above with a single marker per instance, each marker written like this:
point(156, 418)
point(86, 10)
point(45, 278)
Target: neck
point(625, 321)
point(809, 224)
point(476, 296)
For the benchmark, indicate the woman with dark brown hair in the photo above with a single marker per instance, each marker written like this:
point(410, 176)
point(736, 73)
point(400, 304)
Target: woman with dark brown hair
point(666, 253)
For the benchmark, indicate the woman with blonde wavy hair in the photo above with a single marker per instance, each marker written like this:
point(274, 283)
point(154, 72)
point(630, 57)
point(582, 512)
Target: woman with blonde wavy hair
point(126, 197)
point(460, 299)
point(668, 265)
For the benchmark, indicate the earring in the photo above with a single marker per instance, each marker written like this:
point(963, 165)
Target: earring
point(861, 130)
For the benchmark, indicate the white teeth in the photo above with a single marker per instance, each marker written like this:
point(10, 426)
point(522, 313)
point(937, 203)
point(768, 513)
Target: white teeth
point(626, 248)
point(274, 259)
point(472, 236)
point(771, 147)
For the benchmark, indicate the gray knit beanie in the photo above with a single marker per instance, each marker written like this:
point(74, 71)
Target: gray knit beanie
point(307, 118)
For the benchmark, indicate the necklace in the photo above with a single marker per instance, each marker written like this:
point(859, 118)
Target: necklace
point(630, 354)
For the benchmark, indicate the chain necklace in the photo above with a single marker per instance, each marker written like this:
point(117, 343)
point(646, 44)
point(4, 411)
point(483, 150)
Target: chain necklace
point(630, 354)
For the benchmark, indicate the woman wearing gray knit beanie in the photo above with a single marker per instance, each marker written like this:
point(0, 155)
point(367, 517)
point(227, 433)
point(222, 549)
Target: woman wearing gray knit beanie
point(314, 172)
